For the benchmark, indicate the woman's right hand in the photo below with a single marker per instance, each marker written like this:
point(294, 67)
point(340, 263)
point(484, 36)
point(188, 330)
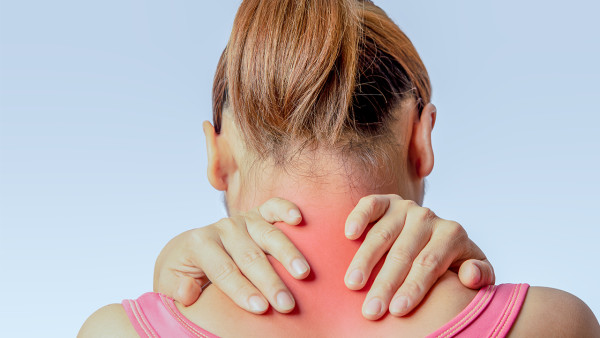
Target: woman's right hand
point(231, 254)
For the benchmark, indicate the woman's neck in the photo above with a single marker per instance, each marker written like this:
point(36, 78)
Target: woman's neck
point(321, 236)
point(324, 305)
point(323, 296)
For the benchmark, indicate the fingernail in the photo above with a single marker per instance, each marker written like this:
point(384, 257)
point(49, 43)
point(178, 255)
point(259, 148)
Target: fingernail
point(352, 229)
point(179, 293)
point(299, 266)
point(257, 304)
point(294, 213)
point(284, 300)
point(355, 278)
point(476, 274)
point(399, 305)
point(373, 307)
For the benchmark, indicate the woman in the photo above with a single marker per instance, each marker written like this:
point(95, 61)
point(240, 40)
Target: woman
point(322, 112)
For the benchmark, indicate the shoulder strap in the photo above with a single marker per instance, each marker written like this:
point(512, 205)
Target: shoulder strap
point(509, 306)
point(155, 315)
point(491, 313)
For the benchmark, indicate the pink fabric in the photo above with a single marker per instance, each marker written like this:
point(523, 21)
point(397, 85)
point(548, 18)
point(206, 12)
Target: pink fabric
point(491, 313)
point(155, 315)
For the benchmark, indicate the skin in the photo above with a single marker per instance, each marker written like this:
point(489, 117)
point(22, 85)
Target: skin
point(547, 312)
point(193, 258)
point(231, 240)
point(228, 160)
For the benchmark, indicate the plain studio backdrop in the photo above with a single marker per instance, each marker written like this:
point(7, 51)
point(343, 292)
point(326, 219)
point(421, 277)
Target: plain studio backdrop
point(102, 156)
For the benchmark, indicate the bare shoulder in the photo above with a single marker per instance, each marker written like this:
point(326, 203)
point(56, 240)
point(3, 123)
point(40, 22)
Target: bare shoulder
point(108, 321)
point(550, 312)
point(444, 301)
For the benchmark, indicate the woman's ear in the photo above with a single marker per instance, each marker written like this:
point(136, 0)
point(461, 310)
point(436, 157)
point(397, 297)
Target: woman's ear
point(217, 174)
point(421, 150)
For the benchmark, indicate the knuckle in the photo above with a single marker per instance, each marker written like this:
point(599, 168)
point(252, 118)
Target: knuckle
point(400, 257)
point(412, 288)
point(429, 261)
point(270, 236)
point(394, 198)
point(455, 230)
point(386, 287)
point(408, 204)
point(201, 235)
point(369, 202)
point(424, 214)
point(224, 272)
point(251, 257)
point(226, 224)
point(382, 234)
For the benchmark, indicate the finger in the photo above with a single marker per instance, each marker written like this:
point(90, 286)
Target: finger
point(224, 273)
point(280, 210)
point(474, 269)
point(169, 284)
point(433, 261)
point(406, 248)
point(476, 274)
point(377, 242)
point(368, 210)
point(254, 264)
point(188, 291)
point(274, 242)
point(171, 278)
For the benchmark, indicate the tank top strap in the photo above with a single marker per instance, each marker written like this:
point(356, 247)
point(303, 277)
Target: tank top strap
point(155, 315)
point(491, 313)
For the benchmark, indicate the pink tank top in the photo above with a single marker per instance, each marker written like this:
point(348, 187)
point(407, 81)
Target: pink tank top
point(491, 313)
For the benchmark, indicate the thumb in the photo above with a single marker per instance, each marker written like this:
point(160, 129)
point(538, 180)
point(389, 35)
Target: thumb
point(188, 291)
point(476, 274)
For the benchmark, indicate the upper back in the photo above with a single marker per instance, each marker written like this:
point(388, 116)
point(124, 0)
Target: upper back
point(330, 315)
point(545, 312)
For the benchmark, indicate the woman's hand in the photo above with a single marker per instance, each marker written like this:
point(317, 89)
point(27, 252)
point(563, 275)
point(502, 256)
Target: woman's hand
point(421, 248)
point(231, 254)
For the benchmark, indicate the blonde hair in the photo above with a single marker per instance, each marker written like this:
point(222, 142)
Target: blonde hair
point(317, 73)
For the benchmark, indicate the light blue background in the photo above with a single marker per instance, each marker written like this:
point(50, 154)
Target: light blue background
point(102, 156)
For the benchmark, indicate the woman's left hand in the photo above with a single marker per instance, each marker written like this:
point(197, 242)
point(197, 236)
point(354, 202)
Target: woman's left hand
point(421, 248)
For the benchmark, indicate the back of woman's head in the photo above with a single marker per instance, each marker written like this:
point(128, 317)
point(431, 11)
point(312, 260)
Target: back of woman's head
point(317, 74)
